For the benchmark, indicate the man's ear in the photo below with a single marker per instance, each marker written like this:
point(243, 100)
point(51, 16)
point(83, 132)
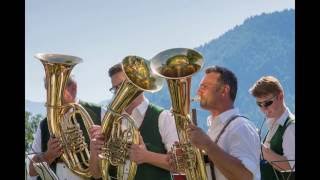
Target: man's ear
point(281, 96)
point(225, 89)
point(66, 95)
point(72, 91)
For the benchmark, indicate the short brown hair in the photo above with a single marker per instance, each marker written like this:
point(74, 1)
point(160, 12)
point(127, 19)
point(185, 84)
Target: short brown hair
point(115, 69)
point(226, 77)
point(266, 85)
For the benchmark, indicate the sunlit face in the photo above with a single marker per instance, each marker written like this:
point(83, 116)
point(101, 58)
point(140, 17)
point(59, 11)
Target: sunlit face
point(270, 105)
point(116, 81)
point(69, 94)
point(209, 91)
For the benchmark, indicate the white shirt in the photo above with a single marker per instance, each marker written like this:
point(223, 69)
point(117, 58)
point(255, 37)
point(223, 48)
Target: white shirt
point(240, 139)
point(167, 125)
point(62, 171)
point(288, 139)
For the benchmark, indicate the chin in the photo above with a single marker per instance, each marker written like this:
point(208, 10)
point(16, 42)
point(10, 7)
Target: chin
point(204, 106)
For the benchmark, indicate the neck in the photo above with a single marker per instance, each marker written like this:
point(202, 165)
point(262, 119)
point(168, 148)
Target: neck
point(282, 109)
point(134, 104)
point(215, 112)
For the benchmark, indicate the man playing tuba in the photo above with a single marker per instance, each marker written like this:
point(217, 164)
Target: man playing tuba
point(157, 130)
point(49, 149)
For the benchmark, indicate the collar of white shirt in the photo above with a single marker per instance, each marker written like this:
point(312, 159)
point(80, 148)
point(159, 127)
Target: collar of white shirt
point(282, 119)
point(139, 112)
point(222, 118)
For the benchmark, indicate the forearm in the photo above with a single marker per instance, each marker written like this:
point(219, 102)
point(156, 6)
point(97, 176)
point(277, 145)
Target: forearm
point(230, 167)
point(32, 171)
point(39, 158)
point(94, 166)
point(157, 159)
point(277, 161)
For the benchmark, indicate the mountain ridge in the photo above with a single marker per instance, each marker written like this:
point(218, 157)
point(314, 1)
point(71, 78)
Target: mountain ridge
point(263, 45)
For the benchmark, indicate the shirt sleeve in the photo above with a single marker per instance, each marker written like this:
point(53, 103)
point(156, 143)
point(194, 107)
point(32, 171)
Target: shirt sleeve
point(167, 129)
point(103, 112)
point(36, 145)
point(288, 144)
point(35, 148)
point(244, 144)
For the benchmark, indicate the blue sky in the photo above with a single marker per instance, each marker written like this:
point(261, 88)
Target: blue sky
point(103, 32)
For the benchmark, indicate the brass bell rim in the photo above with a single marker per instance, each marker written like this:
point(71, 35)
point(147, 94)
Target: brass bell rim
point(160, 59)
point(58, 58)
point(159, 81)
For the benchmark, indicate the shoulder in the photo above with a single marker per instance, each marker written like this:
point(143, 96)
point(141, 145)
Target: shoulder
point(88, 104)
point(156, 107)
point(242, 124)
point(91, 106)
point(43, 122)
point(240, 120)
point(166, 117)
point(290, 128)
point(291, 121)
point(166, 114)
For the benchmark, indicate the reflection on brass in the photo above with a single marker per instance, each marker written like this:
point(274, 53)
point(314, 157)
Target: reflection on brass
point(117, 140)
point(62, 122)
point(137, 70)
point(184, 156)
point(177, 66)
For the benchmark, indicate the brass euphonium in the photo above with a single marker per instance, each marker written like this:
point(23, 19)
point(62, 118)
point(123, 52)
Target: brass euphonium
point(177, 66)
point(62, 122)
point(139, 78)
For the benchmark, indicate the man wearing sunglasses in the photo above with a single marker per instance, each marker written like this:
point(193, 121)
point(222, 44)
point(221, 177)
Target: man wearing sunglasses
point(278, 148)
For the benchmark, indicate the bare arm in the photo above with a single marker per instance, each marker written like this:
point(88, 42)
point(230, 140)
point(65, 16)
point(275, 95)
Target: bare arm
point(230, 167)
point(140, 154)
point(288, 145)
point(271, 156)
point(96, 143)
point(54, 151)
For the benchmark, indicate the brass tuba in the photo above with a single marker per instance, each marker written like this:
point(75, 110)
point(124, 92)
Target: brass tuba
point(62, 122)
point(177, 66)
point(139, 78)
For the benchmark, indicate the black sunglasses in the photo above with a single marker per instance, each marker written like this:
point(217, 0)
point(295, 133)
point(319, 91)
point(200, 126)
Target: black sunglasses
point(266, 103)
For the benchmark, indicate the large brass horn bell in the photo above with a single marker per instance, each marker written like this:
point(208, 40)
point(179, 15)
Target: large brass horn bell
point(177, 66)
point(61, 123)
point(139, 78)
